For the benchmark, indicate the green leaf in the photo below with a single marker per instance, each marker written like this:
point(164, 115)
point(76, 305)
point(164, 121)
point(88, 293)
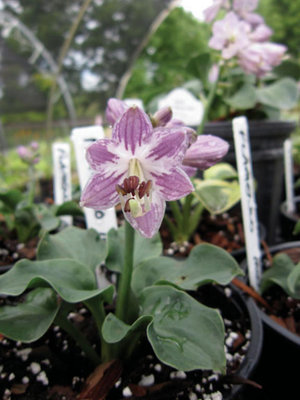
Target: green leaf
point(289, 68)
point(144, 249)
point(199, 66)
point(46, 218)
point(206, 263)
point(217, 196)
point(28, 321)
point(220, 171)
point(72, 280)
point(282, 94)
point(10, 199)
point(82, 245)
point(184, 333)
point(114, 330)
point(26, 222)
point(296, 228)
point(243, 99)
point(69, 208)
point(278, 274)
point(293, 282)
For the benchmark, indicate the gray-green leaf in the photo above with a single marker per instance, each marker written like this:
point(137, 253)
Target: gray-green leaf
point(184, 333)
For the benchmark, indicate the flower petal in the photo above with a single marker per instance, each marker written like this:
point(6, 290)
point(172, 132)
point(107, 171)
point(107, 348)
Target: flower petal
point(190, 171)
point(100, 191)
point(168, 145)
point(133, 129)
point(205, 152)
point(149, 224)
point(174, 185)
point(99, 153)
point(114, 110)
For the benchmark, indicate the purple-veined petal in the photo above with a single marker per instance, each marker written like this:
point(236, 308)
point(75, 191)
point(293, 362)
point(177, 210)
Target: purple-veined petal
point(205, 152)
point(114, 110)
point(163, 116)
point(133, 129)
point(100, 191)
point(174, 185)
point(149, 224)
point(100, 153)
point(168, 146)
point(190, 171)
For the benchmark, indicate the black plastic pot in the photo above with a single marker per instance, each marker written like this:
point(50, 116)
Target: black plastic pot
point(239, 307)
point(289, 220)
point(266, 140)
point(276, 371)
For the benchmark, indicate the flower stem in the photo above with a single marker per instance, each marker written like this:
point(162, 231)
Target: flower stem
point(80, 339)
point(31, 186)
point(125, 279)
point(96, 307)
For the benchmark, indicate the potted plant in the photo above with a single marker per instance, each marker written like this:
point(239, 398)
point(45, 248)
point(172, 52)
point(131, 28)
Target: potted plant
point(242, 72)
point(23, 220)
point(183, 333)
point(278, 308)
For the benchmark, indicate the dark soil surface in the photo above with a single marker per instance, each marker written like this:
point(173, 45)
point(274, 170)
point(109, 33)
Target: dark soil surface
point(53, 368)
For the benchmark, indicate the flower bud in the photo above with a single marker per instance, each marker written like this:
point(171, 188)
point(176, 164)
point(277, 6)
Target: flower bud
point(205, 152)
point(162, 116)
point(114, 110)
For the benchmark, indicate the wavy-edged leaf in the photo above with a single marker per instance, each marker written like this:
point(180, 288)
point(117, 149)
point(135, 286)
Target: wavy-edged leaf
point(220, 171)
point(144, 249)
point(29, 321)
point(69, 208)
point(82, 245)
point(244, 98)
point(184, 333)
point(206, 263)
point(293, 282)
point(114, 330)
point(10, 199)
point(70, 279)
point(217, 196)
point(282, 266)
point(282, 94)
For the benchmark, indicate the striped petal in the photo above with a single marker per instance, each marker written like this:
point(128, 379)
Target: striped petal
point(100, 153)
point(133, 129)
point(100, 191)
point(149, 224)
point(175, 185)
point(168, 145)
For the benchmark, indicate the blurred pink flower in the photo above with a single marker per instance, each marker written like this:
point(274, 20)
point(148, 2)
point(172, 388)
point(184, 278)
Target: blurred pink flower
point(244, 9)
point(230, 35)
point(260, 58)
point(211, 12)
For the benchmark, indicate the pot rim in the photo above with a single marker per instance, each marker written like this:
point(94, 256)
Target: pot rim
point(288, 335)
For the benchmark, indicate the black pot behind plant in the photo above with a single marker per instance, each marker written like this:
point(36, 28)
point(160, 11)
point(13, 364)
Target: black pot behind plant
point(266, 140)
point(276, 370)
point(288, 221)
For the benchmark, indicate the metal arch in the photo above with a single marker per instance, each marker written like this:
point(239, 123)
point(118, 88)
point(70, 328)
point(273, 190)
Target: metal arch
point(11, 22)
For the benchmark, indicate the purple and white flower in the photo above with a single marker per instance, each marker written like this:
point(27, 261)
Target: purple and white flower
point(230, 35)
point(141, 168)
point(245, 8)
point(211, 12)
point(260, 58)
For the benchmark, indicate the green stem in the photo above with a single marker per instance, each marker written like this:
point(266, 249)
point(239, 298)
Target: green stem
point(97, 310)
point(187, 213)
point(195, 218)
point(80, 339)
point(176, 213)
point(125, 279)
point(171, 226)
point(210, 99)
point(31, 186)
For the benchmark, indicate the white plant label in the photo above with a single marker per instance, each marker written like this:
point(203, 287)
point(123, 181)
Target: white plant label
point(101, 220)
point(248, 201)
point(289, 177)
point(62, 175)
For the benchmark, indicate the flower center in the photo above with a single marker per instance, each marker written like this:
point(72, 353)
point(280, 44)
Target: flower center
point(135, 193)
